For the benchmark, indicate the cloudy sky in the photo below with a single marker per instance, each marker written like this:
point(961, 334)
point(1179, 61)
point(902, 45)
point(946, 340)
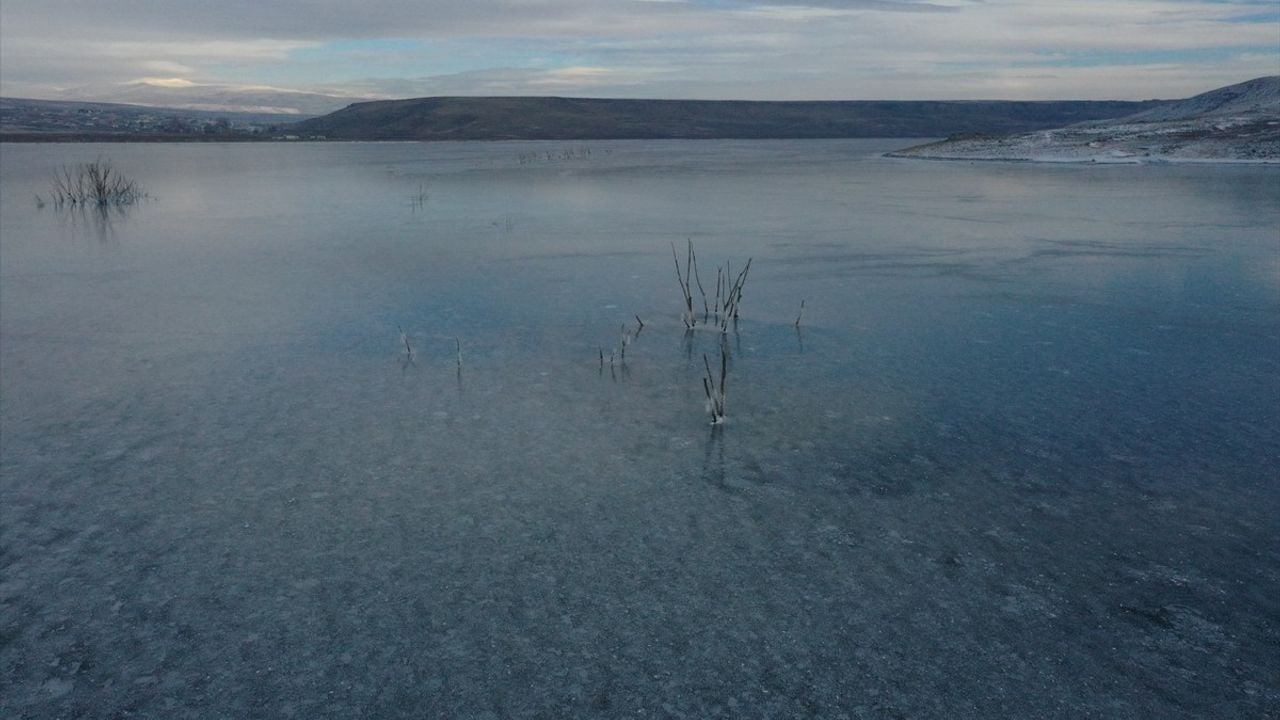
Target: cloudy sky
point(748, 49)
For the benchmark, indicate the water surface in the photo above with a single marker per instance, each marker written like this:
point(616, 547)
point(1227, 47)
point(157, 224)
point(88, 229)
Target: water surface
point(1017, 460)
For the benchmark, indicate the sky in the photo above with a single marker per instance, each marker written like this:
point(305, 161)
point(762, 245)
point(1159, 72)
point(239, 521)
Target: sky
point(712, 49)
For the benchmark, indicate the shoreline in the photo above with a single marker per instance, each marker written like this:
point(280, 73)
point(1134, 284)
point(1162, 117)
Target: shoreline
point(1092, 160)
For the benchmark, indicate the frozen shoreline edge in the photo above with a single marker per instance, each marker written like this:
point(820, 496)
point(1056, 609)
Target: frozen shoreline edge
point(1092, 160)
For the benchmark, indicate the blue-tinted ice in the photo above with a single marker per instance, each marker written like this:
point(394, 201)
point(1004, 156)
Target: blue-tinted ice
point(1018, 460)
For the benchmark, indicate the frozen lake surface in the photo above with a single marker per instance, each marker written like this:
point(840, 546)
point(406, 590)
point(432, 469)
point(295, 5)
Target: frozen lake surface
point(1018, 461)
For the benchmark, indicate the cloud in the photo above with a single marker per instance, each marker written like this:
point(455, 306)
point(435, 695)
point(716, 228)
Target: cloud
point(758, 49)
point(167, 67)
point(831, 8)
point(582, 81)
point(167, 82)
point(315, 20)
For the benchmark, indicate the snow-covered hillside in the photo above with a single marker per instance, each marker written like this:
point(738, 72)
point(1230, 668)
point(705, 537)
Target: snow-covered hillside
point(1238, 123)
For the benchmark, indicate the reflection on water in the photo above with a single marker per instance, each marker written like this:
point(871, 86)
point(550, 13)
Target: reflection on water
point(346, 430)
point(91, 220)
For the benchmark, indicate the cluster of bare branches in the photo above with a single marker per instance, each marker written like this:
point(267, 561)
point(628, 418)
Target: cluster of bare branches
point(719, 312)
point(580, 153)
point(722, 310)
point(626, 336)
point(94, 183)
point(728, 292)
point(732, 294)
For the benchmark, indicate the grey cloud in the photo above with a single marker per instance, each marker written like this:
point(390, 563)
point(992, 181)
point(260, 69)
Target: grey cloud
point(523, 81)
point(494, 81)
point(878, 5)
point(624, 48)
point(325, 19)
point(319, 20)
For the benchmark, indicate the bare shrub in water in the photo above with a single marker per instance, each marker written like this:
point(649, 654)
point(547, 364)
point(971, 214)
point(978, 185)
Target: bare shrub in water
point(94, 183)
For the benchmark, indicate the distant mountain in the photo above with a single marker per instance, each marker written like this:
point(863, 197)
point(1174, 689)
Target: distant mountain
point(24, 119)
point(555, 118)
point(211, 98)
point(1237, 123)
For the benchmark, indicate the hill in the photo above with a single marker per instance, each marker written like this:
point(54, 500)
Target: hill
point(555, 118)
point(1260, 95)
point(1237, 123)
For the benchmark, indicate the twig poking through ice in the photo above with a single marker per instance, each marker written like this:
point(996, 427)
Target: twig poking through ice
point(800, 314)
point(458, 344)
point(734, 296)
point(624, 341)
point(404, 338)
point(715, 391)
point(687, 316)
point(719, 287)
point(693, 261)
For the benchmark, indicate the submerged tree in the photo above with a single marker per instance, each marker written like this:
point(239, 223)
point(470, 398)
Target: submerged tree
point(94, 183)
